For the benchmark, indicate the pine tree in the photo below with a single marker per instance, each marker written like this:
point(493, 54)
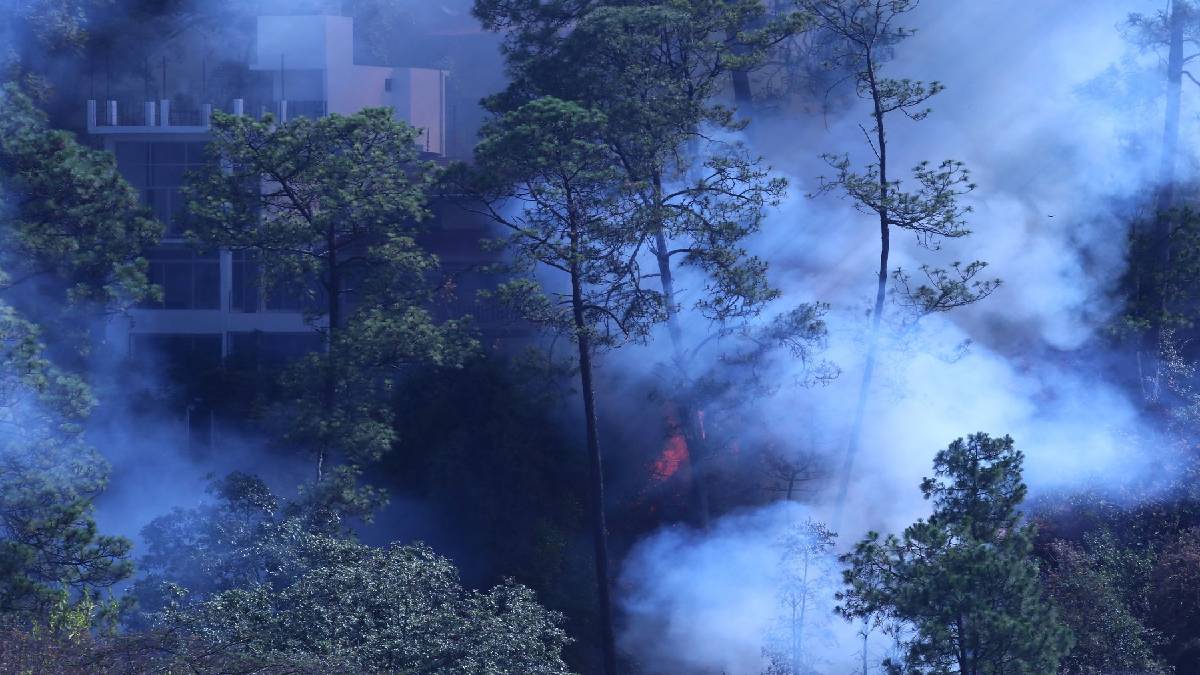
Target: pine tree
point(657, 71)
point(73, 228)
point(807, 573)
point(961, 589)
point(53, 559)
point(329, 208)
point(250, 583)
point(866, 32)
point(546, 175)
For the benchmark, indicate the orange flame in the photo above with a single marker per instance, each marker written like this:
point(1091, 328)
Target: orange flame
point(674, 454)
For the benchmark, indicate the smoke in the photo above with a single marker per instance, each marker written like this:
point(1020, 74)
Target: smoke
point(1062, 151)
point(719, 602)
point(1044, 103)
point(199, 50)
point(1058, 183)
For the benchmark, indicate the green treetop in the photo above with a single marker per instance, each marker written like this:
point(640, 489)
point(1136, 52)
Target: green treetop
point(250, 583)
point(546, 175)
point(51, 555)
point(71, 222)
point(331, 207)
point(960, 591)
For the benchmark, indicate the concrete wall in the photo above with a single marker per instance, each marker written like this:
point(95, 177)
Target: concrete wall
point(301, 41)
point(419, 98)
point(322, 47)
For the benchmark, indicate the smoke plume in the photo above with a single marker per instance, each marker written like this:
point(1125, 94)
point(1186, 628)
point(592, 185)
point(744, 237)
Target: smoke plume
point(1046, 104)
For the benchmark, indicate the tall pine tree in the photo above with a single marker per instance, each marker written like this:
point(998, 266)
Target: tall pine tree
point(960, 591)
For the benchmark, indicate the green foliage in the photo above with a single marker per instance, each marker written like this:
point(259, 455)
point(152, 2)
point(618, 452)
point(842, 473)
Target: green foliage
point(943, 290)
point(367, 360)
point(1100, 590)
point(70, 219)
point(655, 71)
point(335, 201)
point(280, 583)
point(71, 230)
point(544, 173)
point(866, 32)
point(960, 590)
point(703, 40)
point(31, 29)
point(36, 651)
point(323, 199)
point(1176, 599)
point(932, 211)
point(51, 555)
point(548, 177)
point(211, 548)
point(1175, 283)
point(483, 448)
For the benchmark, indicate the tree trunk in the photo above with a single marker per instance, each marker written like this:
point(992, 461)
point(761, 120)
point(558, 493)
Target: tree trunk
point(698, 456)
point(799, 626)
point(866, 634)
point(1160, 244)
point(689, 413)
point(743, 96)
point(880, 295)
point(596, 478)
point(333, 288)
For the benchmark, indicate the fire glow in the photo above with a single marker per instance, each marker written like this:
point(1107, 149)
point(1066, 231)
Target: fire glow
point(675, 450)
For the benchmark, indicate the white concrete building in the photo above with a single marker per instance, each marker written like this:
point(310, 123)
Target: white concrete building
point(213, 305)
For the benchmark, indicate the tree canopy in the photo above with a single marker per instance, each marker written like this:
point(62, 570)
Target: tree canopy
point(960, 591)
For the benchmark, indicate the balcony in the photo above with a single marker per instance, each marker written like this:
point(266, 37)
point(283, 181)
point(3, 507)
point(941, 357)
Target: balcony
point(125, 117)
point(146, 117)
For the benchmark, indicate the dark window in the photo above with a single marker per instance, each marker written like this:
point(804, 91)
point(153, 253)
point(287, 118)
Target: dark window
point(196, 153)
point(250, 294)
point(132, 161)
point(271, 350)
point(207, 284)
point(246, 282)
point(168, 153)
point(158, 170)
point(189, 280)
point(286, 297)
point(180, 355)
point(132, 153)
point(167, 175)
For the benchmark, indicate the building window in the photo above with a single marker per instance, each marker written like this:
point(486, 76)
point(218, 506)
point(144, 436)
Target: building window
point(387, 84)
point(287, 298)
point(250, 294)
point(259, 349)
point(246, 281)
point(189, 280)
point(158, 170)
point(179, 355)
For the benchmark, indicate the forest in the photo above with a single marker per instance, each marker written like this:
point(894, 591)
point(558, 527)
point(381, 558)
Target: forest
point(641, 337)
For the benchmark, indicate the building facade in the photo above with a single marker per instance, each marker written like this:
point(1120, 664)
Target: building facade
point(213, 306)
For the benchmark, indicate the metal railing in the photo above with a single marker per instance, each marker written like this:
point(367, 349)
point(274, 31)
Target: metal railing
point(108, 114)
point(116, 114)
point(190, 118)
point(285, 110)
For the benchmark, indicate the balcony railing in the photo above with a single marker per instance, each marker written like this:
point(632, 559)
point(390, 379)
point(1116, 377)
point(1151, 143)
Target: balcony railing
point(113, 116)
point(109, 115)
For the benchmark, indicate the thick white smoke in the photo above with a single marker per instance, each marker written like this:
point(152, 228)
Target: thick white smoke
point(718, 602)
point(1063, 158)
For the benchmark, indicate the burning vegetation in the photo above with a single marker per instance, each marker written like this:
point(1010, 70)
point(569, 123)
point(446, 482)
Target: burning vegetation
point(599, 336)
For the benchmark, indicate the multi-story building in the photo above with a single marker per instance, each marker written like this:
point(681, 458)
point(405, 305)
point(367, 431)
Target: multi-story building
point(213, 306)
